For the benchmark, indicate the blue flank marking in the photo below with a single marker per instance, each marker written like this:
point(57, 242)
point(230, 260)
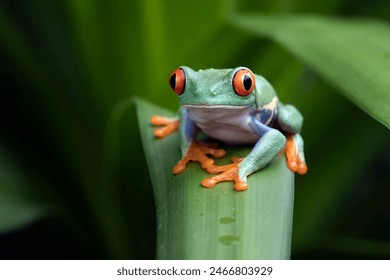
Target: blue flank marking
point(189, 127)
point(258, 127)
point(263, 115)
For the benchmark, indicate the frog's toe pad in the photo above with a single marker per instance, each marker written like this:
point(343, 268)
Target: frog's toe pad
point(302, 168)
point(179, 167)
point(209, 182)
point(297, 166)
point(241, 186)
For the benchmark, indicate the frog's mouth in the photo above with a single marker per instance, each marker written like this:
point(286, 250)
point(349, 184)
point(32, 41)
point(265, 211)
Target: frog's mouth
point(201, 106)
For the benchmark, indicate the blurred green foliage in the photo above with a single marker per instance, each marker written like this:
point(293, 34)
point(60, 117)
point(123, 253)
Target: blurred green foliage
point(76, 188)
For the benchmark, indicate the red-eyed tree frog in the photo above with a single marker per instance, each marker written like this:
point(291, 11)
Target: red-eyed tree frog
point(236, 107)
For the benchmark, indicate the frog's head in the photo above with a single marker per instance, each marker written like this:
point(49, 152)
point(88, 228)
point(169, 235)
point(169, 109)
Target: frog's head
point(214, 87)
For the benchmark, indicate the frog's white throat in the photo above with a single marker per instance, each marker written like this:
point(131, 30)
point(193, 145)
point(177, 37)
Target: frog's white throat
point(229, 124)
point(216, 112)
point(234, 107)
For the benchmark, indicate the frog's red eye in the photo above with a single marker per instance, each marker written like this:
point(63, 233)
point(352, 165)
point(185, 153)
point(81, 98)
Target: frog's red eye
point(177, 81)
point(243, 82)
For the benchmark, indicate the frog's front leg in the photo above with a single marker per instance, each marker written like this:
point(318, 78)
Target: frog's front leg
point(271, 142)
point(191, 149)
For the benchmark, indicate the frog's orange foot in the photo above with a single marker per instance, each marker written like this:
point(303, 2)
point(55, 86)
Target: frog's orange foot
point(229, 173)
point(294, 161)
point(198, 152)
point(169, 125)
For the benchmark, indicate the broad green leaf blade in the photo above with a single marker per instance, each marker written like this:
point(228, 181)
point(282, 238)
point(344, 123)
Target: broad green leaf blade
point(218, 223)
point(352, 54)
point(129, 186)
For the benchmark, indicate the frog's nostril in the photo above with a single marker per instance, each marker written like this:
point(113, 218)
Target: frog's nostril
point(213, 90)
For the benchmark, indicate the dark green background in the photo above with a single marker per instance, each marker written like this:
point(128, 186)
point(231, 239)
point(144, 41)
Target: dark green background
point(71, 188)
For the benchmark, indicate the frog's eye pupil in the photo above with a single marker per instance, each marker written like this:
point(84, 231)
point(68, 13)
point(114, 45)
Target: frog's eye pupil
point(243, 82)
point(172, 81)
point(177, 81)
point(247, 82)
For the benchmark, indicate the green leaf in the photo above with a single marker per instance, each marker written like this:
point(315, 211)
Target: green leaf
point(17, 208)
point(352, 54)
point(129, 186)
point(218, 223)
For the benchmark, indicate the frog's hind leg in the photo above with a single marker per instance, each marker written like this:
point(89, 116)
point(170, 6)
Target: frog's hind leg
point(167, 125)
point(294, 153)
point(290, 122)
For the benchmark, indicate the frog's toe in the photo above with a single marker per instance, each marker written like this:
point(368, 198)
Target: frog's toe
point(198, 152)
point(217, 153)
point(168, 125)
point(230, 172)
point(211, 149)
point(297, 166)
point(214, 169)
point(295, 158)
point(302, 168)
point(241, 186)
point(180, 166)
point(209, 182)
point(292, 165)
